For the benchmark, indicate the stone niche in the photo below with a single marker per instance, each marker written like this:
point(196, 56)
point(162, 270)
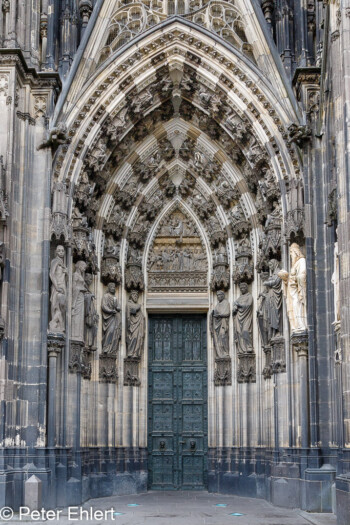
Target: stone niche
point(177, 260)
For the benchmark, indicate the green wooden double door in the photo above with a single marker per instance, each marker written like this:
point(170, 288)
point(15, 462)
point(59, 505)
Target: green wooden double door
point(177, 411)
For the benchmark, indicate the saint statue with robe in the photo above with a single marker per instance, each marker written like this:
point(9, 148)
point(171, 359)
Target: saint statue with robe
point(58, 276)
point(243, 320)
point(295, 289)
point(135, 322)
point(274, 300)
point(78, 302)
point(111, 321)
point(91, 316)
point(219, 325)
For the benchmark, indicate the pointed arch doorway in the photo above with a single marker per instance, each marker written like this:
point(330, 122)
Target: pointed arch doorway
point(177, 403)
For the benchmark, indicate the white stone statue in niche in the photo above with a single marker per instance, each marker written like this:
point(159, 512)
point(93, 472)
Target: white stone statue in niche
point(295, 289)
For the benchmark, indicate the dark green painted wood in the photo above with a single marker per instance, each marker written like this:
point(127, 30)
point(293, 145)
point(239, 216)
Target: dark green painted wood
point(177, 411)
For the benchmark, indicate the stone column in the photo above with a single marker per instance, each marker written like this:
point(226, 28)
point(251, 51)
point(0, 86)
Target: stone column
point(299, 341)
point(55, 345)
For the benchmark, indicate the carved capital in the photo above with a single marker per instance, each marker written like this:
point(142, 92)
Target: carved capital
point(223, 371)
point(131, 371)
point(5, 6)
point(221, 276)
point(55, 344)
point(246, 371)
point(299, 134)
point(60, 228)
point(75, 364)
point(278, 355)
point(111, 270)
point(299, 341)
point(108, 369)
point(295, 221)
point(134, 277)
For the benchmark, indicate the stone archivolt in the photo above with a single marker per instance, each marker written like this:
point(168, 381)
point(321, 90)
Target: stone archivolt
point(176, 138)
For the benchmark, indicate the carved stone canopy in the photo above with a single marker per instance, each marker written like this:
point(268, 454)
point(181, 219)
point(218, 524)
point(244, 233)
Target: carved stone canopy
point(177, 260)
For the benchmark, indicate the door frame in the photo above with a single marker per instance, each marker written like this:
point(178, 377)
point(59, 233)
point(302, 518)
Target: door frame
point(178, 452)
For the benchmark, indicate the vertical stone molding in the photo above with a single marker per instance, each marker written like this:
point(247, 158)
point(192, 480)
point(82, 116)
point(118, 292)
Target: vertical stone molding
point(299, 341)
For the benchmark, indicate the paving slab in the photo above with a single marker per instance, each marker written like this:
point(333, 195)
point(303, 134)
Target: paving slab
point(179, 508)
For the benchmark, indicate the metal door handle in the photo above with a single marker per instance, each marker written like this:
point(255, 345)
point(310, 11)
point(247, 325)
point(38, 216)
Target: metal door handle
point(182, 442)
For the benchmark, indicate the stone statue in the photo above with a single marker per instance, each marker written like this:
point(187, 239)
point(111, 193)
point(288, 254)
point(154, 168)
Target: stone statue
point(243, 320)
point(274, 300)
point(295, 289)
point(58, 276)
point(262, 315)
point(91, 316)
point(111, 322)
point(219, 325)
point(135, 322)
point(78, 292)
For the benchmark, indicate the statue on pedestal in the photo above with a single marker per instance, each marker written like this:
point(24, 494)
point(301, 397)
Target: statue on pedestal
point(91, 316)
point(219, 325)
point(111, 324)
point(135, 322)
point(295, 289)
point(243, 320)
point(58, 299)
point(78, 291)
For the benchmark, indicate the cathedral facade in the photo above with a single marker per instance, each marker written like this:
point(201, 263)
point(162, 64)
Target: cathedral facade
point(174, 222)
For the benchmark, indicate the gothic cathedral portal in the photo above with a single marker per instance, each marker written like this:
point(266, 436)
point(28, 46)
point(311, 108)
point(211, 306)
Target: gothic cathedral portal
point(174, 249)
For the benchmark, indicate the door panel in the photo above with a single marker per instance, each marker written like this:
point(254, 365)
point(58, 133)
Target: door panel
point(177, 424)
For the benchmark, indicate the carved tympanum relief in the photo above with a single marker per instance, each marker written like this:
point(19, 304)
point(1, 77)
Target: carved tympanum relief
point(177, 260)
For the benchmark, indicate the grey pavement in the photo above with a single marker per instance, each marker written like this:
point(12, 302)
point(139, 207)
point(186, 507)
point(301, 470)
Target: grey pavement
point(183, 508)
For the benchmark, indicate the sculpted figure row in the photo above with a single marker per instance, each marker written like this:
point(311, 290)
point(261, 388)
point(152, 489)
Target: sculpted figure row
point(269, 311)
point(85, 317)
point(243, 323)
point(112, 324)
point(84, 325)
